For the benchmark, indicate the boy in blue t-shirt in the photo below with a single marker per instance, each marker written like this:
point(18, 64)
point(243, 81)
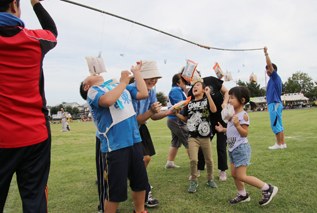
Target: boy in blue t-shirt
point(113, 110)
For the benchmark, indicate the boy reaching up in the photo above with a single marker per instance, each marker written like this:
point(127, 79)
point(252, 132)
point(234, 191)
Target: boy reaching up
point(122, 153)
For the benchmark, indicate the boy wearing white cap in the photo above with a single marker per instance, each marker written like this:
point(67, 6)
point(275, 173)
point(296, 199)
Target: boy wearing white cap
point(145, 109)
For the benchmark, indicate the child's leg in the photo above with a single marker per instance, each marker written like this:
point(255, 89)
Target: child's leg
point(147, 159)
point(193, 145)
point(241, 174)
point(206, 148)
point(239, 184)
point(111, 207)
point(138, 199)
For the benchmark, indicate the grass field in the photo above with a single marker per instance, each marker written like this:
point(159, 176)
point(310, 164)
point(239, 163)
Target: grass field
point(72, 177)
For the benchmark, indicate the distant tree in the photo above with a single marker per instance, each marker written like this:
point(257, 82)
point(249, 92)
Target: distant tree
point(53, 110)
point(69, 109)
point(75, 110)
point(300, 82)
point(161, 98)
point(254, 88)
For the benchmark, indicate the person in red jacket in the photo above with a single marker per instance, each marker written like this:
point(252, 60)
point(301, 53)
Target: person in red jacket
point(25, 140)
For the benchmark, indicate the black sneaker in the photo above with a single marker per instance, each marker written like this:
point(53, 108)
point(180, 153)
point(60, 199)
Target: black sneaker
point(267, 195)
point(151, 202)
point(240, 199)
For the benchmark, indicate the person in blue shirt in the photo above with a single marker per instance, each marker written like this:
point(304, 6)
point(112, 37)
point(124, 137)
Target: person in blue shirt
point(122, 153)
point(274, 102)
point(178, 128)
point(146, 109)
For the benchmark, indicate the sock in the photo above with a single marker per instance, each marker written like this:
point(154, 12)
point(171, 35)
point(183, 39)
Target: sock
point(243, 192)
point(265, 187)
point(170, 162)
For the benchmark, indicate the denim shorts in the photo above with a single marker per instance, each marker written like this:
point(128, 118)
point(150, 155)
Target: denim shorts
point(241, 155)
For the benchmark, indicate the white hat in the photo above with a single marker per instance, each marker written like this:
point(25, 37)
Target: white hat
point(149, 69)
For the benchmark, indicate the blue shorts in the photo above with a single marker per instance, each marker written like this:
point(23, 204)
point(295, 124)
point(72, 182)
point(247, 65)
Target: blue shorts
point(275, 111)
point(120, 165)
point(241, 155)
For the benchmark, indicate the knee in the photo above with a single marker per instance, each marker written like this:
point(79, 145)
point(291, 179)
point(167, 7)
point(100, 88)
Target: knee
point(147, 158)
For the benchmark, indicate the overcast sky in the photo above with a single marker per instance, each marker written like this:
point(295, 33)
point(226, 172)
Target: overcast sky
point(287, 27)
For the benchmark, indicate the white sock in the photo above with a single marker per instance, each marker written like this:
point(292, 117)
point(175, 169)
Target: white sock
point(265, 187)
point(243, 192)
point(170, 162)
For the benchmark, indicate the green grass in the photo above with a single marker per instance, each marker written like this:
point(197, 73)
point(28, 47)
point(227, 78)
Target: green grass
point(72, 177)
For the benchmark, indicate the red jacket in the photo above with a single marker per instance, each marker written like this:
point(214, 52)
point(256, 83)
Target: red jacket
point(23, 112)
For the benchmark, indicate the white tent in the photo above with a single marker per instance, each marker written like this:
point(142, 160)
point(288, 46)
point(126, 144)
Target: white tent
point(284, 98)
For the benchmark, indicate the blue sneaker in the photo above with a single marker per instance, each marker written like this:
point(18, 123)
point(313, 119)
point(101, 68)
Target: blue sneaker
point(193, 186)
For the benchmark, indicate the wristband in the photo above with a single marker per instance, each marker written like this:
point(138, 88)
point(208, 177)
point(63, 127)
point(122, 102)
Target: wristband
point(266, 54)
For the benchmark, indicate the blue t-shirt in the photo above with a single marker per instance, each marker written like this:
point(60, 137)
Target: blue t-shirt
point(141, 106)
point(115, 137)
point(176, 95)
point(274, 89)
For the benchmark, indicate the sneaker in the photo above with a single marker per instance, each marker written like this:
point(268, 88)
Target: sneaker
point(170, 166)
point(212, 184)
point(151, 202)
point(267, 195)
point(276, 146)
point(198, 175)
point(222, 176)
point(284, 146)
point(193, 186)
point(240, 199)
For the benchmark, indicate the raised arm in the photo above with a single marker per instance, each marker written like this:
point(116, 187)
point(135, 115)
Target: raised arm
point(268, 61)
point(212, 105)
point(140, 83)
point(45, 19)
point(109, 98)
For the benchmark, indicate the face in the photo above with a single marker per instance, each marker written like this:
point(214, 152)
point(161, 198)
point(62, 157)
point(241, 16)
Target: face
point(198, 89)
point(93, 80)
point(234, 101)
point(181, 84)
point(150, 83)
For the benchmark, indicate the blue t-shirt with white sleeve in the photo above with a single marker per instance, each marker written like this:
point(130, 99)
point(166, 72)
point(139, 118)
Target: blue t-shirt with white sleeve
point(141, 106)
point(115, 137)
point(176, 95)
point(274, 88)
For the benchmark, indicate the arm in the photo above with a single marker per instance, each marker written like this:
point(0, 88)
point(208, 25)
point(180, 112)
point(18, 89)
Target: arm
point(155, 108)
point(45, 19)
point(225, 93)
point(140, 83)
point(182, 117)
point(268, 61)
point(212, 105)
point(242, 129)
point(109, 98)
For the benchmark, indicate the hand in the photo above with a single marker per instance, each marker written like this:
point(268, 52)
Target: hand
point(177, 111)
point(235, 121)
point(137, 67)
point(223, 105)
point(33, 2)
point(156, 107)
point(125, 77)
point(207, 90)
point(265, 50)
point(219, 128)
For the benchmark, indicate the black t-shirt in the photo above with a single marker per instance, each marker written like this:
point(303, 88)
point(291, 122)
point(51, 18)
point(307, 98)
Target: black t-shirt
point(198, 123)
point(215, 85)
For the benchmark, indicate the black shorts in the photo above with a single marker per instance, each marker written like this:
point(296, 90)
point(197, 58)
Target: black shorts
point(31, 165)
point(120, 165)
point(146, 144)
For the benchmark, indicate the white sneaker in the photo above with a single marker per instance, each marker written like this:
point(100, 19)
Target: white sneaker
point(284, 146)
point(171, 165)
point(222, 176)
point(276, 146)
